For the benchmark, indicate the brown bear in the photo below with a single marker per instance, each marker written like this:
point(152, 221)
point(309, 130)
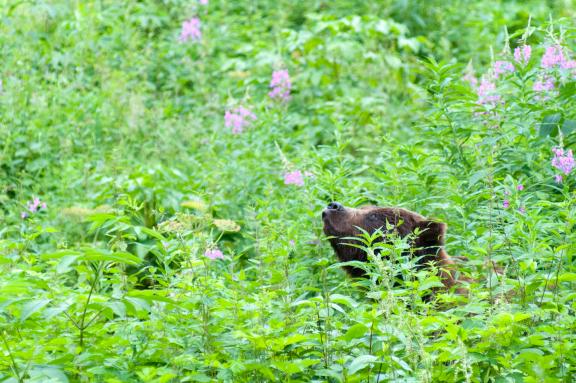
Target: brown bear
point(341, 222)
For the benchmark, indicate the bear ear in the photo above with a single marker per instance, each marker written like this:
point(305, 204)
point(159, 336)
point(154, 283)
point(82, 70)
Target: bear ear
point(431, 233)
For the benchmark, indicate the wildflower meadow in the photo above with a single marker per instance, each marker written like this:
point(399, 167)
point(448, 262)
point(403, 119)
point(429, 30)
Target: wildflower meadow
point(164, 165)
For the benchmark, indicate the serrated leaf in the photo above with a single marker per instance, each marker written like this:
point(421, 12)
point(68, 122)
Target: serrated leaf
point(568, 126)
point(151, 296)
point(361, 362)
point(32, 307)
point(65, 263)
point(152, 233)
point(549, 124)
point(567, 277)
point(294, 366)
point(430, 283)
point(356, 331)
point(60, 254)
point(343, 300)
point(106, 256)
point(117, 307)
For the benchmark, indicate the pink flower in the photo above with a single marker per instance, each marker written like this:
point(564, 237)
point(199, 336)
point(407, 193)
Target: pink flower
point(506, 204)
point(520, 187)
point(544, 85)
point(552, 57)
point(36, 205)
point(33, 207)
point(203, 2)
point(563, 162)
point(558, 178)
point(487, 93)
point(506, 192)
point(568, 64)
point(281, 85)
point(294, 178)
point(238, 119)
point(191, 30)
point(522, 209)
point(522, 54)
point(214, 254)
point(501, 67)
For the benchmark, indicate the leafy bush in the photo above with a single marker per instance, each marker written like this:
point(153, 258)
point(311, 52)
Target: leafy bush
point(164, 164)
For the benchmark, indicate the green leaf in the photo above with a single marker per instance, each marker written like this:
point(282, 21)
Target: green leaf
point(60, 254)
point(106, 256)
point(430, 283)
point(65, 263)
point(32, 307)
point(567, 277)
point(152, 233)
point(361, 362)
point(343, 300)
point(117, 307)
point(52, 374)
point(568, 90)
point(294, 366)
point(568, 126)
point(356, 331)
point(549, 124)
point(91, 254)
point(152, 296)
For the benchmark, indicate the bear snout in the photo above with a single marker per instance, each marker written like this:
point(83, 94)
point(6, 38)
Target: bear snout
point(331, 208)
point(335, 206)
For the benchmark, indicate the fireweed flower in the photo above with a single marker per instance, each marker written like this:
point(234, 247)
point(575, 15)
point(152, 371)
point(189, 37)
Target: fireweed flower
point(568, 64)
point(487, 93)
point(33, 207)
point(545, 84)
point(294, 178)
point(506, 204)
point(522, 54)
point(501, 67)
point(522, 210)
point(520, 187)
point(214, 254)
point(553, 56)
point(545, 87)
point(203, 2)
point(238, 119)
point(281, 85)
point(191, 30)
point(563, 162)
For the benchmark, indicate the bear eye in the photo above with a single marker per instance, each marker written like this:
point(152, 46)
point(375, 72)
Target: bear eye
point(373, 217)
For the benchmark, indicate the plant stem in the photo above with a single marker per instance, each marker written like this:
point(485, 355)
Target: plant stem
point(14, 365)
point(83, 319)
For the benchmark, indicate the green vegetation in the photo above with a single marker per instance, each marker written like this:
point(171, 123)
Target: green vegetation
point(160, 200)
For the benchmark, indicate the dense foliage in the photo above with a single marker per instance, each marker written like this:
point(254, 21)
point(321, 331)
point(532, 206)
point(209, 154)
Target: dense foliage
point(164, 164)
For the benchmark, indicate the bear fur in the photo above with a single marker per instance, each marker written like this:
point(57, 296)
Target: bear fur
point(341, 222)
